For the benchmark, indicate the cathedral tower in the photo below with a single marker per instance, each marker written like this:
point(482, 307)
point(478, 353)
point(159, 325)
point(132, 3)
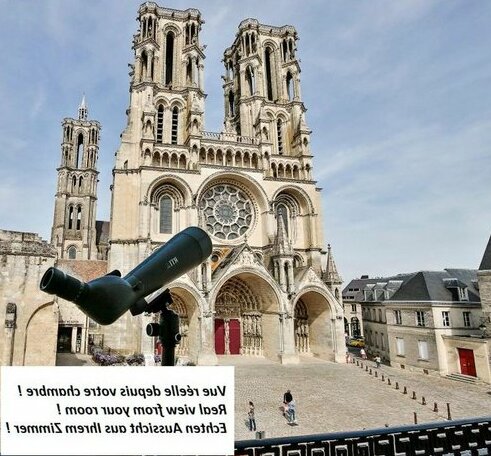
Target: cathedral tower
point(74, 226)
point(249, 186)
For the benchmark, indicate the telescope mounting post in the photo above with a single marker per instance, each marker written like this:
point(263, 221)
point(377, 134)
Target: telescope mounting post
point(168, 327)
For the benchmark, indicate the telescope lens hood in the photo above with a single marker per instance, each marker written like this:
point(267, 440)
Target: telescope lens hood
point(57, 282)
point(201, 238)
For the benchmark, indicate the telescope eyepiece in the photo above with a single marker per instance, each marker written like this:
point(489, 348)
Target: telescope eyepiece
point(57, 282)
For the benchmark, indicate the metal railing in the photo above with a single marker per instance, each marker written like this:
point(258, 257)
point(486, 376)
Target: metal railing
point(468, 437)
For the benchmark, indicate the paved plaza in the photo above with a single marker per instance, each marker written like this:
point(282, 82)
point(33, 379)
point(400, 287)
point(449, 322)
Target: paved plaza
point(333, 397)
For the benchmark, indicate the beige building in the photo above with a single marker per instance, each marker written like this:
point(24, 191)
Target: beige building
point(428, 321)
point(250, 186)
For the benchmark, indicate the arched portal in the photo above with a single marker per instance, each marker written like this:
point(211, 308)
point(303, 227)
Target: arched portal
point(301, 328)
point(246, 317)
point(313, 325)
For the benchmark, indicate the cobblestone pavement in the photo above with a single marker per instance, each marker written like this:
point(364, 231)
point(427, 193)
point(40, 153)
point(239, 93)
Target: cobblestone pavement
point(333, 397)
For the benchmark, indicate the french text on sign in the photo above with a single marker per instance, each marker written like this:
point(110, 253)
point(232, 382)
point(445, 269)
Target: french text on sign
point(76, 410)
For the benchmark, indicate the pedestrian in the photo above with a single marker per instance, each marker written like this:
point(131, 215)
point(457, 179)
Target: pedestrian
point(363, 354)
point(287, 398)
point(347, 357)
point(378, 360)
point(252, 417)
point(291, 415)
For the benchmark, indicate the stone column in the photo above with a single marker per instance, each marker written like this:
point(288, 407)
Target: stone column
point(288, 354)
point(8, 349)
point(206, 354)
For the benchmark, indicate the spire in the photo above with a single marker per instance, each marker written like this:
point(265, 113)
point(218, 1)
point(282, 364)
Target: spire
point(82, 109)
point(282, 245)
point(331, 275)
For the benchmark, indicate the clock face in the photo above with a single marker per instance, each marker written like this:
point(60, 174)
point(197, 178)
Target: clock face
point(227, 210)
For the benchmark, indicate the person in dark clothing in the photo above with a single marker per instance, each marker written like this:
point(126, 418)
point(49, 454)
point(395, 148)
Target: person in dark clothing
point(287, 398)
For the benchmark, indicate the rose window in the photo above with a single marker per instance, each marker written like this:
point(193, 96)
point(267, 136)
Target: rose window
point(227, 211)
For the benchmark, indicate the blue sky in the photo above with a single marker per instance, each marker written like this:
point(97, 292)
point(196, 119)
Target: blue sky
point(398, 98)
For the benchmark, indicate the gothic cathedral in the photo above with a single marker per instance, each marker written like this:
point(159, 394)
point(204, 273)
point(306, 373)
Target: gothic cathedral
point(269, 288)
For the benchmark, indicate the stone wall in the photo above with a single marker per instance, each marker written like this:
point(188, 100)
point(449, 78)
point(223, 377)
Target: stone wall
point(29, 316)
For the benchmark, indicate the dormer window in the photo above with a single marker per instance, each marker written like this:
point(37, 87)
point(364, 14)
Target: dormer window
point(463, 295)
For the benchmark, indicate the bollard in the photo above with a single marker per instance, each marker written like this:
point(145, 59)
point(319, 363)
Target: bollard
point(397, 385)
point(366, 368)
point(357, 363)
point(388, 382)
point(449, 415)
point(415, 418)
point(414, 394)
point(423, 400)
point(435, 407)
point(383, 378)
point(405, 391)
point(376, 374)
point(370, 371)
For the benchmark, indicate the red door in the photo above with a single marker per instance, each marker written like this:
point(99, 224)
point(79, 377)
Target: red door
point(467, 365)
point(234, 336)
point(219, 337)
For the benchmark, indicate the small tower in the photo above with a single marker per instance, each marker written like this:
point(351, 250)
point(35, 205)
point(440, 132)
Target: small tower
point(74, 228)
point(282, 255)
point(331, 276)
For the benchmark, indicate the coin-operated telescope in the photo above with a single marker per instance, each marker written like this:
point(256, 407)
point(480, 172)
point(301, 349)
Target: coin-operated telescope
point(107, 298)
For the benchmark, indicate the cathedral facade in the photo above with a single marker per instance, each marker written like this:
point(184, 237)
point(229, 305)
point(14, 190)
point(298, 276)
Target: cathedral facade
point(270, 288)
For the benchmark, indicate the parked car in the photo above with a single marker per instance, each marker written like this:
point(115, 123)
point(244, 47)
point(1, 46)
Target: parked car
point(357, 342)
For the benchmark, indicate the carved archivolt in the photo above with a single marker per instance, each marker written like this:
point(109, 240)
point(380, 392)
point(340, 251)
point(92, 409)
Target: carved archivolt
point(301, 328)
point(237, 301)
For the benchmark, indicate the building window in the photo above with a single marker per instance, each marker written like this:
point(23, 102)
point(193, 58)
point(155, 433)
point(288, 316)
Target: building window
point(376, 339)
point(463, 295)
point(446, 319)
point(467, 319)
point(72, 253)
point(165, 214)
point(169, 58)
point(355, 327)
point(400, 346)
point(420, 318)
point(379, 315)
point(353, 307)
point(398, 317)
point(422, 349)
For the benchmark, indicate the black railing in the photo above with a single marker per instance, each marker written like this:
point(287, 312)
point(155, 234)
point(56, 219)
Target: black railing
point(470, 437)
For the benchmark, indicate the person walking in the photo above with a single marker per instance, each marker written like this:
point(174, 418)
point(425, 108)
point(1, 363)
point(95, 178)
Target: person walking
point(378, 360)
point(252, 417)
point(363, 354)
point(287, 398)
point(292, 413)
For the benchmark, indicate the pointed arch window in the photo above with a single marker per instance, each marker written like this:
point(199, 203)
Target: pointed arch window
point(251, 83)
point(160, 123)
point(289, 86)
point(169, 57)
point(165, 208)
point(79, 218)
point(70, 217)
point(269, 76)
point(231, 104)
point(80, 149)
point(175, 125)
point(72, 253)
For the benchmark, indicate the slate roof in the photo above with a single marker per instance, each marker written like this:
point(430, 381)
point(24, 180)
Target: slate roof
point(486, 259)
point(419, 286)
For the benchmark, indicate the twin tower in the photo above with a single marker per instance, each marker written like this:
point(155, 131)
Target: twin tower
point(269, 286)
